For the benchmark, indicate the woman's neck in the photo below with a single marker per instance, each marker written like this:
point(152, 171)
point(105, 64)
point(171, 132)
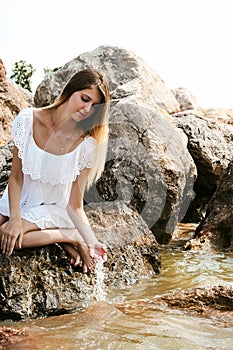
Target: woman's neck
point(59, 117)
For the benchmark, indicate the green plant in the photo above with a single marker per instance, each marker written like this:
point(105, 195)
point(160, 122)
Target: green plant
point(22, 74)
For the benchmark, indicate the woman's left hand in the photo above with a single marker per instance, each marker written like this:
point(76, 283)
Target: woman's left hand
point(98, 251)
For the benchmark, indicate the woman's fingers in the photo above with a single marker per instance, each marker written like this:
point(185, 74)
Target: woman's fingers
point(92, 252)
point(3, 244)
point(11, 236)
point(20, 239)
point(10, 246)
point(7, 244)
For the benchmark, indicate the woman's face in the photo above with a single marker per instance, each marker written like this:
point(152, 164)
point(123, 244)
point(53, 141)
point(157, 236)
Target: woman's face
point(81, 103)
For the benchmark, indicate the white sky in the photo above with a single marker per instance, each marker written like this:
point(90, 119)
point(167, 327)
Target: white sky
point(187, 42)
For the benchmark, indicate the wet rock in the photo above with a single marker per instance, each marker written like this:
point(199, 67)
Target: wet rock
point(216, 229)
point(201, 300)
point(41, 282)
point(210, 136)
point(206, 301)
point(10, 335)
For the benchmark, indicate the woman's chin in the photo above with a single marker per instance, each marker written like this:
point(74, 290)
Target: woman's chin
point(78, 117)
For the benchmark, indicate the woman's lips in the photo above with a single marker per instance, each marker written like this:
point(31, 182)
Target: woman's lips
point(84, 115)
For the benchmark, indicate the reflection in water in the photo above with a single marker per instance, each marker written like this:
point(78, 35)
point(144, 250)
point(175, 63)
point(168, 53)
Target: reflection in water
point(144, 326)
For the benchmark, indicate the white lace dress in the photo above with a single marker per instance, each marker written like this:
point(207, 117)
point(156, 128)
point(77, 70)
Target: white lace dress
point(47, 177)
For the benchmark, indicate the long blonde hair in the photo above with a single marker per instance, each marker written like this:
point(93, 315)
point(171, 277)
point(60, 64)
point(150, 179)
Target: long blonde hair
point(97, 124)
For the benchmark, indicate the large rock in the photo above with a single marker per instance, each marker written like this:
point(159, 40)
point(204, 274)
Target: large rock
point(2, 71)
point(12, 100)
point(216, 230)
point(9, 335)
point(208, 301)
point(210, 136)
point(41, 282)
point(185, 98)
point(6, 153)
point(127, 73)
point(148, 164)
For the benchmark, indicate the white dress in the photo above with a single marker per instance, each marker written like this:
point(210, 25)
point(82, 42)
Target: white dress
point(47, 177)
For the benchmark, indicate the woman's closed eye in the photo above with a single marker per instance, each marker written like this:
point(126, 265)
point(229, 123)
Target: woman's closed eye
point(85, 99)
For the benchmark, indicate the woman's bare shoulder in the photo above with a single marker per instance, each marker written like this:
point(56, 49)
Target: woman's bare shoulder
point(40, 116)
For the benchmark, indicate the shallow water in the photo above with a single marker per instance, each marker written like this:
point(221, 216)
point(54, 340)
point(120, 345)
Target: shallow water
point(102, 326)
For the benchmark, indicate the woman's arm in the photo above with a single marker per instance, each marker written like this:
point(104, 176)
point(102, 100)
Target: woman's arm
point(14, 230)
point(79, 218)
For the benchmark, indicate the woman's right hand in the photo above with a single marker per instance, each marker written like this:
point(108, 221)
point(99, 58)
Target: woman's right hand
point(98, 251)
point(12, 231)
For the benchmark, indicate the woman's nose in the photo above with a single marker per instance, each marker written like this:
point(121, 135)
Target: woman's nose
point(88, 107)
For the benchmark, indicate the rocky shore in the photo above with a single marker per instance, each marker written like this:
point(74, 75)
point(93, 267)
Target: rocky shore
point(168, 161)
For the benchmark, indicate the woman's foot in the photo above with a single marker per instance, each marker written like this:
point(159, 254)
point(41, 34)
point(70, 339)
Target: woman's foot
point(79, 253)
point(74, 257)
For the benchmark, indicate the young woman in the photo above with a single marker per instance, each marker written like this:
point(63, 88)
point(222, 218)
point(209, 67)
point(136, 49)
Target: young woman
point(59, 151)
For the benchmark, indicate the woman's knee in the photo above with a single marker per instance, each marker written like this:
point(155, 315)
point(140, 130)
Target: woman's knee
point(29, 226)
point(3, 219)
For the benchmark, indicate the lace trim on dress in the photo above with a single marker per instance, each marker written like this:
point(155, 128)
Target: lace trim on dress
point(64, 169)
point(44, 166)
point(21, 130)
point(40, 222)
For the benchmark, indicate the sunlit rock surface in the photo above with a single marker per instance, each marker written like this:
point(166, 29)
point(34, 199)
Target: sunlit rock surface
point(12, 100)
point(148, 163)
point(41, 282)
point(210, 139)
point(165, 152)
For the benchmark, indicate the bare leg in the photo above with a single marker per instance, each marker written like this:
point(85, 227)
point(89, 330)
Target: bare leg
point(35, 237)
point(3, 219)
point(74, 244)
point(38, 238)
point(71, 240)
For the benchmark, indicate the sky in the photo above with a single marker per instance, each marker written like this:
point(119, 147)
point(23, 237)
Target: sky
point(188, 43)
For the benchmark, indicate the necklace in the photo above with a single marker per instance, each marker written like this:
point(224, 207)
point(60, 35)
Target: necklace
point(63, 146)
